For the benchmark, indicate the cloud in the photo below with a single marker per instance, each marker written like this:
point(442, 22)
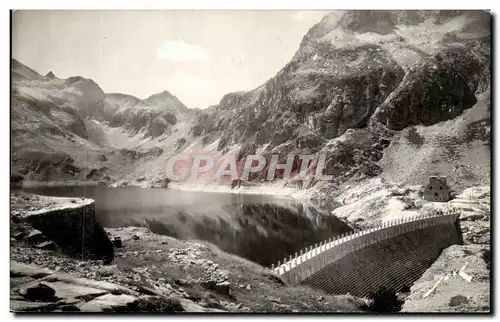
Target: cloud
point(179, 51)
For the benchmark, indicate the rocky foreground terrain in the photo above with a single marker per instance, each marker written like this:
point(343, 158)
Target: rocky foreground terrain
point(152, 272)
point(149, 273)
point(390, 97)
point(378, 201)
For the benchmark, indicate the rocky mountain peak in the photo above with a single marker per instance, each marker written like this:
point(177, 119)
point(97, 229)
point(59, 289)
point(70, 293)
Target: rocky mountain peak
point(165, 100)
point(377, 21)
point(357, 80)
point(358, 72)
point(50, 75)
point(161, 95)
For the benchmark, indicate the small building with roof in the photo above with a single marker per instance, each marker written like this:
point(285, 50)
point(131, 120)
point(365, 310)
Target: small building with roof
point(437, 190)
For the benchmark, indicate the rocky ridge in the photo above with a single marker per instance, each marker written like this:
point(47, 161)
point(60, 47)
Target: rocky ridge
point(358, 79)
point(359, 85)
point(69, 129)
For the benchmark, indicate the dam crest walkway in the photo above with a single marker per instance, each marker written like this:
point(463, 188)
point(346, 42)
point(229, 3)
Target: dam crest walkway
point(313, 259)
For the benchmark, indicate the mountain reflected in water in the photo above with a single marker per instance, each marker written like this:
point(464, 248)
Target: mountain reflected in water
point(261, 228)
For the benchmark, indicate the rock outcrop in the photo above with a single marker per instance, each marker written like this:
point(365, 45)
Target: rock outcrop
point(35, 289)
point(157, 273)
point(371, 73)
point(357, 84)
point(75, 118)
point(153, 116)
point(50, 75)
point(437, 89)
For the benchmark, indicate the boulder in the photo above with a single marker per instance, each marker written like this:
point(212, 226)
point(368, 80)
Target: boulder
point(160, 183)
point(59, 289)
point(19, 235)
point(147, 290)
point(102, 285)
point(209, 284)
point(158, 304)
point(190, 306)
point(39, 293)
point(273, 299)
point(458, 300)
point(35, 237)
point(69, 308)
point(117, 242)
point(50, 75)
point(223, 288)
point(210, 301)
point(107, 270)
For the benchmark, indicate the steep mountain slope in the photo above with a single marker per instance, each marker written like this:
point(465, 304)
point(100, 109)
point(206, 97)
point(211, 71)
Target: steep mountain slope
point(396, 94)
point(358, 79)
point(154, 115)
point(458, 148)
point(69, 129)
point(22, 72)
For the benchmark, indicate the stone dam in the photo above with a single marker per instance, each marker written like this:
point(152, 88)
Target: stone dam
point(393, 255)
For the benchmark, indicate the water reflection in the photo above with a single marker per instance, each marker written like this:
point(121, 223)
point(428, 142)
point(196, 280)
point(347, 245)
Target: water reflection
point(261, 228)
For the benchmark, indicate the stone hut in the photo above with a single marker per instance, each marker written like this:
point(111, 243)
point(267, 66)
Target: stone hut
point(437, 190)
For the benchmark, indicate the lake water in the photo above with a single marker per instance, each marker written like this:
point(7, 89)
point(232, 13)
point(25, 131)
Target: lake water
point(261, 228)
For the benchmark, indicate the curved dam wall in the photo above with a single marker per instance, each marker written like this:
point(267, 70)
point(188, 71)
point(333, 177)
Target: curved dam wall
point(392, 255)
point(74, 229)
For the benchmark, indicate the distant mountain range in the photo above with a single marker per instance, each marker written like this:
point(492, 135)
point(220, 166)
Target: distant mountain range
point(397, 94)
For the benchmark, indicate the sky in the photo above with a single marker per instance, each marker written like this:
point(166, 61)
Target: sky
point(198, 56)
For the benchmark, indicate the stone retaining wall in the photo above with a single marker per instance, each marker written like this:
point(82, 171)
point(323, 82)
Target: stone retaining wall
point(74, 229)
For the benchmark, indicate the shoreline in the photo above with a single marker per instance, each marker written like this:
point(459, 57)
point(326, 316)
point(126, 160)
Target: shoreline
point(307, 197)
point(252, 190)
point(197, 275)
point(47, 184)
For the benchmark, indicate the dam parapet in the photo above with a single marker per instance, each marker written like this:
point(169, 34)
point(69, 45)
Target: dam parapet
point(313, 259)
